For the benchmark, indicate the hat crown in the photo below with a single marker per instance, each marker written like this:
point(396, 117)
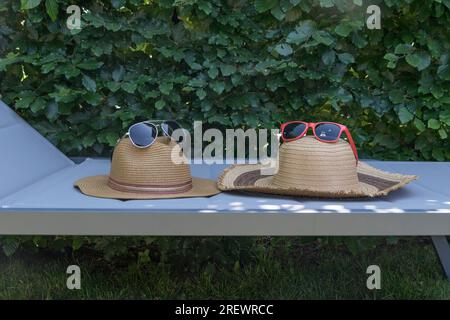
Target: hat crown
point(312, 164)
point(149, 169)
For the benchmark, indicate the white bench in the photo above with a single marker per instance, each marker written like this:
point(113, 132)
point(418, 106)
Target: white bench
point(37, 197)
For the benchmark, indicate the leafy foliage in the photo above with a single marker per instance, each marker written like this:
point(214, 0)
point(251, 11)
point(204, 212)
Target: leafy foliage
point(187, 254)
point(230, 64)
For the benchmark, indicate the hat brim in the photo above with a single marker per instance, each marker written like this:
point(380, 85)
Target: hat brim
point(372, 183)
point(97, 186)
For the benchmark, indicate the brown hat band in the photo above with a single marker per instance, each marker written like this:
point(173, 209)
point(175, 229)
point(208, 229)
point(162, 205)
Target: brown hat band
point(150, 189)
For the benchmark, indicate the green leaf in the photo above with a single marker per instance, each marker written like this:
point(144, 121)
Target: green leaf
point(420, 60)
point(328, 57)
point(88, 83)
point(443, 72)
point(265, 5)
point(51, 6)
point(403, 48)
point(447, 3)
point(443, 133)
point(77, 243)
point(205, 6)
point(227, 69)
point(419, 125)
point(166, 87)
point(10, 247)
point(90, 65)
point(213, 72)
point(391, 64)
point(445, 116)
point(112, 138)
point(278, 13)
point(405, 115)
point(151, 94)
point(197, 82)
point(217, 86)
point(326, 3)
point(160, 104)
point(93, 98)
point(118, 74)
point(434, 47)
point(283, 49)
point(11, 58)
point(113, 86)
point(118, 3)
point(64, 94)
point(358, 2)
point(346, 58)
point(89, 140)
point(343, 29)
point(445, 99)
point(129, 87)
point(52, 110)
point(24, 101)
point(438, 154)
point(323, 37)
point(69, 70)
point(434, 124)
point(201, 94)
point(437, 92)
point(302, 32)
point(38, 105)
point(194, 65)
point(396, 96)
point(29, 4)
point(390, 57)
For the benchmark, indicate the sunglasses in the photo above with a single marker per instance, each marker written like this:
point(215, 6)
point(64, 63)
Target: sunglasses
point(144, 134)
point(329, 132)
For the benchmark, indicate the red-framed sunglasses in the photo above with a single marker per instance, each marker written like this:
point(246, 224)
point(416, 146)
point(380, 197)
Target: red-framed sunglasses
point(329, 132)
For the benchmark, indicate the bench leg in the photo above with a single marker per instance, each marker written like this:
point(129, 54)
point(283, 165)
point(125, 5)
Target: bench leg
point(443, 250)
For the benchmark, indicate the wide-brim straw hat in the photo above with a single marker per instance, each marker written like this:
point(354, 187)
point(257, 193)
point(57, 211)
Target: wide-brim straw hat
point(157, 172)
point(310, 168)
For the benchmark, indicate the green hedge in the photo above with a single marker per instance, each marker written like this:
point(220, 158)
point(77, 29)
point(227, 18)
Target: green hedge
point(231, 64)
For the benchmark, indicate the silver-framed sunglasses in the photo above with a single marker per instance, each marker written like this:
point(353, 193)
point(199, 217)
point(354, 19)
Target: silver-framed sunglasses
point(143, 134)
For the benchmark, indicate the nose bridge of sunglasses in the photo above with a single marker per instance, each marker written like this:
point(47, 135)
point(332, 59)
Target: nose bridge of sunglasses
point(307, 129)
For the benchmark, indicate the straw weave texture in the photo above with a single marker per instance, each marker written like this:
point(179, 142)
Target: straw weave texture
point(148, 166)
point(308, 167)
point(149, 173)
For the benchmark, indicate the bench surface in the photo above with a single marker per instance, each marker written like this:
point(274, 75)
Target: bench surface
point(37, 197)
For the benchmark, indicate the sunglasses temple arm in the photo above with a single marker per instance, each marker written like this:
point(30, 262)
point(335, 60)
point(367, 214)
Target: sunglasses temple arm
point(352, 143)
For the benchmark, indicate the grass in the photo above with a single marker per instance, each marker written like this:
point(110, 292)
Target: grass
point(409, 270)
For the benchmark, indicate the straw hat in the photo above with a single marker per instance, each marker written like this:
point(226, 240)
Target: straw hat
point(148, 173)
point(308, 167)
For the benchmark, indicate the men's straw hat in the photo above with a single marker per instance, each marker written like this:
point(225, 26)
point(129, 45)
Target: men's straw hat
point(310, 168)
point(148, 173)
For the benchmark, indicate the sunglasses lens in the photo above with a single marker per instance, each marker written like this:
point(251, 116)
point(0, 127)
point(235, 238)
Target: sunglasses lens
point(293, 130)
point(142, 134)
point(169, 127)
point(327, 131)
